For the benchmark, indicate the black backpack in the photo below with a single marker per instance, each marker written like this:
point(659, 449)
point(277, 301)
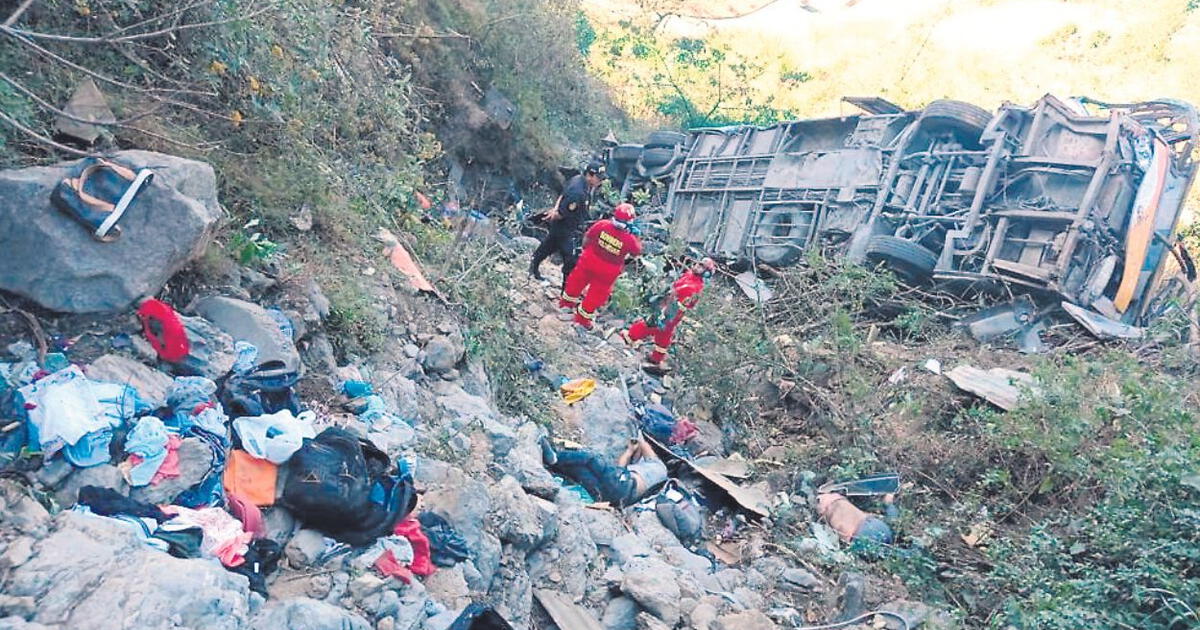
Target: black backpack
point(343, 486)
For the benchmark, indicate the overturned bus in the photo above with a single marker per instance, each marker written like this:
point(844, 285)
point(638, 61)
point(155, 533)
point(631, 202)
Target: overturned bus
point(1081, 199)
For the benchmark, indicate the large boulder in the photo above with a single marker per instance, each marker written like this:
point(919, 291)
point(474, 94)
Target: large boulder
point(96, 573)
point(653, 585)
point(54, 261)
point(303, 613)
point(607, 426)
point(249, 322)
point(151, 384)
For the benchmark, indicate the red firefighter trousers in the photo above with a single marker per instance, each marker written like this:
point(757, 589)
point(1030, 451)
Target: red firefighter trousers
point(662, 336)
point(588, 288)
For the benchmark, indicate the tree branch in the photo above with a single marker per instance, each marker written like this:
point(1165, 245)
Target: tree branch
point(16, 15)
point(109, 39)
point(42, 139)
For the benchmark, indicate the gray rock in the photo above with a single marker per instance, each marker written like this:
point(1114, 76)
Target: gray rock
point(280, 523)
point(318, 355)
point(320, 585)
point(604, 527)
point(749, 599)
point(54, 261)
point(520, 520)
point(703, 616)
point(652, 584)
point(18, 623)
point(150, 384)
point(628, 547)
point(443, 352)
point(606, 424)
point(448, 585)
point(317, 298)
point(103, 476)
point(648, 526)
point(299, 326)
point(303, 613)
point(646, 621)
point(523, 459)
point(511, 591)
point(249, 322)
point(798, 580)
point(745, 620)
point(302, 550)
point(23, 512)
point(19, 606)
point(571, 556)
point(18, 552)
point(465, 503)
point(210, 349)
point(461, 409)
point(364, 586)
point(620, 614)
point(54, 472)
point(195, 460)
point(254, 281)
point(401, 396)
point(917, 615)
point(94, 573)
point(411, 350)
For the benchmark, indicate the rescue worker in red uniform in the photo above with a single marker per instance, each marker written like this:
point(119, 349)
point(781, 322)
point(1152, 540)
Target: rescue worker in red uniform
point(684, 295)
point(606, 246)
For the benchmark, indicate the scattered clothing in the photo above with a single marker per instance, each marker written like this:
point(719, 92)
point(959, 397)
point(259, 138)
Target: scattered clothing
point(64, 407)
point(109, 502)
point(245, 357)
point(147, 444)
point(658, 422)
point(251, 478)
point(276, 436)
point(684, 431)
point(480, 617)
point(249, 514)
point(170, 465)
point(422, 562)
point(143, 528)
point(357, 389)
point(576, 390)
point(209, 490)
point(447, 547)
point(265, 389)
point(182, 543)
point(389, 566)
point(224, 536)
point(261, 560)
point(192, 400)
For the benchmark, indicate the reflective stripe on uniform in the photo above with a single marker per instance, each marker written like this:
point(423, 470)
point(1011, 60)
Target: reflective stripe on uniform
point(660, 349)
point(584, 314)
point(566, 298)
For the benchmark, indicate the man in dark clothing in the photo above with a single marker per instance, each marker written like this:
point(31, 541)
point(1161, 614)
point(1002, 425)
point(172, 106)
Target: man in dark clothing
point(635, 473)
point(565, 220)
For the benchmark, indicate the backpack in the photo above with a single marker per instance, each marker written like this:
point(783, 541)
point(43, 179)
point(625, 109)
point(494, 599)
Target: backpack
point(268, 388)
point(341, 485)
point(679, 512)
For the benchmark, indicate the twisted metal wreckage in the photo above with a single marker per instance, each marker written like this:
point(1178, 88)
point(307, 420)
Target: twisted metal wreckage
point(1074, 201)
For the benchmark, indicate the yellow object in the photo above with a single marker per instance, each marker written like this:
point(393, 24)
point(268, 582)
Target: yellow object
point(578, 389)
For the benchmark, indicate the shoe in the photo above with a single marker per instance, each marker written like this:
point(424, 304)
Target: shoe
point(536, 275)
point(655, 368)
point(624, 334)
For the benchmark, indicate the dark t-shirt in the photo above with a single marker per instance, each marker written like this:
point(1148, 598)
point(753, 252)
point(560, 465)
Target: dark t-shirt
point(574, 205)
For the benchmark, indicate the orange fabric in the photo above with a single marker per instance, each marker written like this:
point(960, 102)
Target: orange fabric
point(251, 478)
point(403, 261)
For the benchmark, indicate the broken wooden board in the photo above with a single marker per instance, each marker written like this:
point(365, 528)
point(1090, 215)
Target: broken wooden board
point(566, 614)
point(750, 500)
point(1000, 386)
point(1100, 326)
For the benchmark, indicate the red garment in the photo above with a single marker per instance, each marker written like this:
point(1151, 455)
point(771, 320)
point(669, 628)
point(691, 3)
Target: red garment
point(422, 563)
point(684, 430)
point(164, 330)
point(685, 294)
point(605, 248)
point(249, 514)
point(169, 469)
point(388, 565)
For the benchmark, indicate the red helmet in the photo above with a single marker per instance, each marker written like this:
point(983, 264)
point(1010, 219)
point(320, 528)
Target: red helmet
point(624, 213)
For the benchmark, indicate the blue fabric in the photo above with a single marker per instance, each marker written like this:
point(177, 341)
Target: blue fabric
point(148, 439)
point(875, 530)
point(658, 422)
point(90, 450)
point(186, 393)
point(209, 491)
point(356, 389)
point(246, 357)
